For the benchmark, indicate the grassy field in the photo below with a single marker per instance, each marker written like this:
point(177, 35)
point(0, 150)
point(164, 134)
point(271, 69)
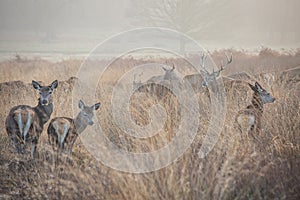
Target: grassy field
point(236, 168)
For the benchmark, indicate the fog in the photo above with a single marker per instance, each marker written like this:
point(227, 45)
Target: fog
point(232, 23)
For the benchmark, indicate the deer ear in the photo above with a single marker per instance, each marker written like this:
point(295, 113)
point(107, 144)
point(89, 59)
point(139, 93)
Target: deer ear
point(164, 69)
point(36, 85)
point(54, 84)
point(252, 87)
point(81, 104)
point(96, 106)
point(258, 87)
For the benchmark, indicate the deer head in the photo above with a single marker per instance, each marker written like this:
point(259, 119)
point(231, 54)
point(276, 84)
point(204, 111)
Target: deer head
point(264, 95)
point(210, 77)
point(169, 73)
point(87, 113)
point(45, 91)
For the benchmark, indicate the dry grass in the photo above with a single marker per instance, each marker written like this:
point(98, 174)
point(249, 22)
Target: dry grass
point(234, 169)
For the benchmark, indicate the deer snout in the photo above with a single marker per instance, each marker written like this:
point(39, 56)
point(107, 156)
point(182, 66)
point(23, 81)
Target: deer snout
point(44, 102)
point(91, 122)
point(273, 99)
point(204, 84)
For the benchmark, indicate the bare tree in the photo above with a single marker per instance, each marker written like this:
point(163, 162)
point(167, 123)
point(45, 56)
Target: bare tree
point(193, 17)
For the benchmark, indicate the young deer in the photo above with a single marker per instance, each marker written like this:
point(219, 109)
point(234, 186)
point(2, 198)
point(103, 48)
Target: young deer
point(249, 119)
point(63, 131)
point(25, 123)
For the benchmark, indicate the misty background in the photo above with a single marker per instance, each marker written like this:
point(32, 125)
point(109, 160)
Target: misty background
point(77, 26)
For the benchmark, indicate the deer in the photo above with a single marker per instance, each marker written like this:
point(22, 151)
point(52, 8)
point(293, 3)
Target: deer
point(24, 124)
point(200, 81)
point(169, 75)
point(63, 131)
point(249, 119)
point(162, 84)
point(169, 78)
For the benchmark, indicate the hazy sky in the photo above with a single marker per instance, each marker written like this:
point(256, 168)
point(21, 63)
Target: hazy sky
point(273, 22)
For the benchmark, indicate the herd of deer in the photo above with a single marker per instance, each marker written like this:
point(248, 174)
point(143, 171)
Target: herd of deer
point(24, 124)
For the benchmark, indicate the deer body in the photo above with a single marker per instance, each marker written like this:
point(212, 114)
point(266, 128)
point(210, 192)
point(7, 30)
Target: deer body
point(63, 131)
point(161, 85)
point(249, 119)
point(196, 81)
point(168, 76)
point(24, 124)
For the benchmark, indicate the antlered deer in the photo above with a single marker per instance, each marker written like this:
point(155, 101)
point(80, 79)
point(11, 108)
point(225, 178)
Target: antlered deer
point(201, 81)
point(24, 124)
point(162, 84)
point(63, 131)
point(249, 119)
point(169, 75)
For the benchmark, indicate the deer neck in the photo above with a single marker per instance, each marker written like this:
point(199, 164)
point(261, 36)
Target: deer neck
point(79, 124)
point(257, 103)
point(44, 112)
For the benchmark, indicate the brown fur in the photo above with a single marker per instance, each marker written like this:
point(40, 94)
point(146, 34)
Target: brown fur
point(62, 132)
point(24, 124)
point(249, 119)
point(54, 133)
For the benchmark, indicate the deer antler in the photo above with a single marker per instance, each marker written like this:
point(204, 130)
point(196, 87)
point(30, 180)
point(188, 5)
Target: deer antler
point(203, 59)
point(229, 60)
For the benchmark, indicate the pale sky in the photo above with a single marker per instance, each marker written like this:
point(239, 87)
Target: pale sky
point(241, 22)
